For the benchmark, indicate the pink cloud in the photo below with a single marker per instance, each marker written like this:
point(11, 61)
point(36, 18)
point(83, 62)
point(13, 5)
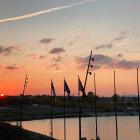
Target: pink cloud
point(124, 32)
point(42, 56)
point(33, 56)
point(129, 5)
point(53, 66)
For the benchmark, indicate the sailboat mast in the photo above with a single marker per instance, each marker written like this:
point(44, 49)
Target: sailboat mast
point(51, 133)
point(138, 94)
point(95, 107)
point(115, 107)
point(64, 115)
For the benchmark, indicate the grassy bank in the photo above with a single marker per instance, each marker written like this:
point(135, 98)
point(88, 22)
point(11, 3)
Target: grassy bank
point(10, 132)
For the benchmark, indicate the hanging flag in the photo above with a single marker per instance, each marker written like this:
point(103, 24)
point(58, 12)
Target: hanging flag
point(81, 87)
point(53, 91)
point(66, 89)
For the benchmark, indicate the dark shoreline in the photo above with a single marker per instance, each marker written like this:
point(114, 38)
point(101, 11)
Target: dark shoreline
point(103, 114)
point(11, 132)
point(43, 112)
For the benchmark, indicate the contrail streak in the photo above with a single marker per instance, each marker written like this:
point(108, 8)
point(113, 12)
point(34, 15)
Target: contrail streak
point(45, 11)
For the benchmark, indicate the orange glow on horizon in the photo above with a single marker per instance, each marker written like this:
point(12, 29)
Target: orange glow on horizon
point(39, 82)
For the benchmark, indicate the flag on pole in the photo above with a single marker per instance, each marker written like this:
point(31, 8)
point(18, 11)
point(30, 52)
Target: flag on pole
point(53, 91)
point(80, 86)
point(66, 89)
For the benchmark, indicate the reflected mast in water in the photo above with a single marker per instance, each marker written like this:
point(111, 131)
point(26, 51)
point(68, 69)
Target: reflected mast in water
point(97, 137)
point(64, 113)
point(138, 96)
point(115, 107)
point(54, 94)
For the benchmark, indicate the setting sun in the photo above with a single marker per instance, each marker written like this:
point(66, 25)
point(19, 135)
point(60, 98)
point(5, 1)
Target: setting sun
point(1, 95)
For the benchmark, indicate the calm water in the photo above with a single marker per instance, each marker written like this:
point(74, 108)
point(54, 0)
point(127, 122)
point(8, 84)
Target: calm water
point(128, 128)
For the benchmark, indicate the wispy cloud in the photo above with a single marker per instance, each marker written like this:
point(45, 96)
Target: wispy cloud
point(33, 56)
point(119, 38)
point(124, 32)
point(56, 50)
point(72, 42)
point(8, 50)
point(53, 66)
point(11, 67)
point(42, 56)
point(105, 46)
point(36, 56)
point(45, 11)
point(47, 40)
point(122, 36)
point(58, 59)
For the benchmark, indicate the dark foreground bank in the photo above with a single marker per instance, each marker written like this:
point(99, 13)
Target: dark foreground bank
point(10, 132)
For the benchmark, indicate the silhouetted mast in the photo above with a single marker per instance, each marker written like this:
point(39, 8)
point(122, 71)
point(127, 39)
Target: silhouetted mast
point(51, 133)
point(90, 58)
point(138, 95)
point(95, 107)
point(21, 102)
point(64, 115)
point(115, 108)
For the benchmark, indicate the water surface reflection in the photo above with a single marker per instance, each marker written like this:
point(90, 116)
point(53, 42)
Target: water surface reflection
point(127, 125)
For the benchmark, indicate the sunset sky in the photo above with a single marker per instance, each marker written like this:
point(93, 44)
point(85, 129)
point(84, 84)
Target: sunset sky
point(55, 43)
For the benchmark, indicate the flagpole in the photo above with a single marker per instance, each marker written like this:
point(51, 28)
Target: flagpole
point(95, 107)
point(79, 114)
point(79, 107)
point(20, 125)
point(64, 114)
point(115, 108)
point(138, 95)
point(51, 113)
point(78, 93)
point(82, 96)
point(21, 107)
